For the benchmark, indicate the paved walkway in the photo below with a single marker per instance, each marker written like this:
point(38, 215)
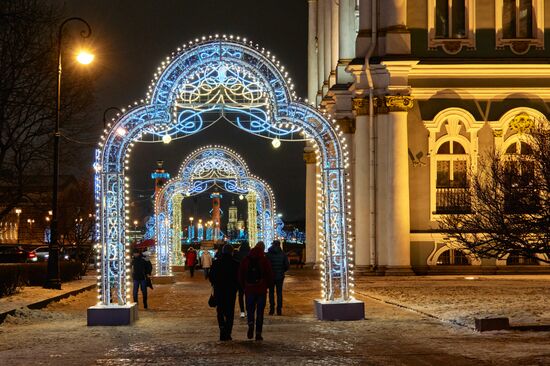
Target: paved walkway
point(181, 329)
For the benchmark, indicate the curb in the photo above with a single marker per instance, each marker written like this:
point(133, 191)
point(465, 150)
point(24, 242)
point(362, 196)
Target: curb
point(43, 303)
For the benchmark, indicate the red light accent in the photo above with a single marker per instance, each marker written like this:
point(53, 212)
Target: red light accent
point(31, 255)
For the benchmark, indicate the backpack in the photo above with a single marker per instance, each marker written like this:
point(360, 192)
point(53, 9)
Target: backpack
point(254, 271)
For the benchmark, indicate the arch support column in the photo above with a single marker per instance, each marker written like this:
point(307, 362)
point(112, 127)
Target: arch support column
point(312, 252)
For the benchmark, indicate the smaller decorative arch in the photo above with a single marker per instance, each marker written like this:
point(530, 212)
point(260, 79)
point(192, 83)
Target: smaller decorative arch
point(203, 169)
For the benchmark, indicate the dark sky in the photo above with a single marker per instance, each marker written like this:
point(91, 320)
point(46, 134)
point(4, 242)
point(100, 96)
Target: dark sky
point(132, 37)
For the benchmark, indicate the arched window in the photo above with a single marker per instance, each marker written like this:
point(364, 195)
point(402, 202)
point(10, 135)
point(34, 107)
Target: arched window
point(452, 194)
point(520, 194)
point(452, 257)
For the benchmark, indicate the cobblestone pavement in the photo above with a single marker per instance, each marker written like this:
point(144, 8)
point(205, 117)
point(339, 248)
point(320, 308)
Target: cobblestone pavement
point(181, 329)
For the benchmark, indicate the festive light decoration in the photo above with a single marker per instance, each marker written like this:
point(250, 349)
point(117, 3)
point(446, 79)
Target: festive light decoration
point(213, 79)
point(203, 169)
point(276, 143)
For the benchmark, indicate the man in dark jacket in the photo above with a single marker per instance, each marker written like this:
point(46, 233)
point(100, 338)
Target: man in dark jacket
point(140, 270)
point(244, 249)
point(255, 277)
point(279, 265)
point(223, 276)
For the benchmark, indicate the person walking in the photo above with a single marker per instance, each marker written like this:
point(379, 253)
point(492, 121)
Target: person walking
point(206, 262)
point(279, 265)
point(140, 269)
point(191, 260)
point(244, 249)
point(255, 277)
point(224, 280)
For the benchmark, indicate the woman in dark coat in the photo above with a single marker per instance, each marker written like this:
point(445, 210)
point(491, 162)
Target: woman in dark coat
point(239, 256)
point(224, 279)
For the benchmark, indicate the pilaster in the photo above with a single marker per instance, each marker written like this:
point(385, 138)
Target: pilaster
point(312, 66)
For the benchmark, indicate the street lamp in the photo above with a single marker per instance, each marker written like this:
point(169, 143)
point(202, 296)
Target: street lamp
point(18, 212)
point(114, 109)
point(53, 281)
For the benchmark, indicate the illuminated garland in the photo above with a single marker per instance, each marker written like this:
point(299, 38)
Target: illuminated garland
point(260, 101)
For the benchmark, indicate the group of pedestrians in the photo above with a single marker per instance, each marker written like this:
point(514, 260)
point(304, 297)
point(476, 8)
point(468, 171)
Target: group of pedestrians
point(252, 273)
point(249, 274)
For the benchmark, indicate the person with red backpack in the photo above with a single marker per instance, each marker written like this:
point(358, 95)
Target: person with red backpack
point(255, 277)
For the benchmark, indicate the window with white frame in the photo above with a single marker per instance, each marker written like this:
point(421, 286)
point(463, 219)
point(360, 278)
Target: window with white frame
point(450, 19)
point(452, 193)
point(451, 24)
point(517, 19)
point(520, 24)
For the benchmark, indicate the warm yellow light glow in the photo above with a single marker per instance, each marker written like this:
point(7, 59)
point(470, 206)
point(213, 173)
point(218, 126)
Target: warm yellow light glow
point(276, 143)
point(85, 57)
point(166, 139)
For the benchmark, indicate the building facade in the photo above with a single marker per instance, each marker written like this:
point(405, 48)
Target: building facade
point(421, 88)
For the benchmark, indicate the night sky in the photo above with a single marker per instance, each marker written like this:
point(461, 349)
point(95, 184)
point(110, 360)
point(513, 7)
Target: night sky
point(131, 38)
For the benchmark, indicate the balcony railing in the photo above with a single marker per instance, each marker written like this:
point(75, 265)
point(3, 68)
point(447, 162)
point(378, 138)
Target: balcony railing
point(452, 200)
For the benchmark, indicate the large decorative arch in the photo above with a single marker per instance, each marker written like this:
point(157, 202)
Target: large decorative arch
point(220, 78)
point(203, 169)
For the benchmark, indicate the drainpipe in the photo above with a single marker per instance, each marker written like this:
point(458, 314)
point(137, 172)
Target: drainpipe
point(372, 165)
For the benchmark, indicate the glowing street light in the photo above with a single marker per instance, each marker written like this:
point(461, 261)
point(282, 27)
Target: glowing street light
point(52, 279)
point(85, 57)
point(166, 139)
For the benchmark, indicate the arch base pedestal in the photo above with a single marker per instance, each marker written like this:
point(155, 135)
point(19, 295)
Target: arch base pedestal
point(112, 315)
point(339, 310)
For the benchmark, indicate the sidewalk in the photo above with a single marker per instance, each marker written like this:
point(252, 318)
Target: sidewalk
point(34, 297)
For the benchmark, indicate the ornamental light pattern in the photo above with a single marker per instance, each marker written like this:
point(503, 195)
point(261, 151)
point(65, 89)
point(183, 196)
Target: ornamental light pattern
point(215, 79)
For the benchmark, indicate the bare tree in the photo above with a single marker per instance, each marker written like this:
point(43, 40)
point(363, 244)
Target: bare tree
point(28, 67)
point(510, 209)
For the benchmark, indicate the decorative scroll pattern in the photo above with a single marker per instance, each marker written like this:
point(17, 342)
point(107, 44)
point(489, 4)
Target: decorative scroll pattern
point(250, 91)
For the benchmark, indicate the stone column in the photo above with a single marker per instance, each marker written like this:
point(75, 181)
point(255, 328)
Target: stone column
point(361, 185)
point(393, 19)
point(365, 28)
point(312, 72)
point(320, 48)
point(394, 223)
point(334, 32)
point(311, 207)
point(328, 43)
point(346, 32)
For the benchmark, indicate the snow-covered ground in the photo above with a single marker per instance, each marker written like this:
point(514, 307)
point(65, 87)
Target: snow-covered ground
point(525, 299)
point(32, 294)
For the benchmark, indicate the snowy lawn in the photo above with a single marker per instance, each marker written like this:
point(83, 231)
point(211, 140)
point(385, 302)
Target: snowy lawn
point(525, 299)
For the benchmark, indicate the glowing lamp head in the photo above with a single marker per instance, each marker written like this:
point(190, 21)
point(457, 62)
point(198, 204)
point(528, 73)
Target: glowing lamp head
point(85, 57)
point(241, 197)
point(276, 143)
point(166, 139)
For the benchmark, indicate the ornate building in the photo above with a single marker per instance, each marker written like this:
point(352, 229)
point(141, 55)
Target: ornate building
point(421, 88)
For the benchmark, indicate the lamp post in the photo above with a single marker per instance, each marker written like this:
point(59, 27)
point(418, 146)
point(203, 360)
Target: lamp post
point(18, 212)
point(115, 109)
point(53, 281)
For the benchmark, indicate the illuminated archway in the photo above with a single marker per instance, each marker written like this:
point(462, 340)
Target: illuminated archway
point(215, 79)
point(205, 168)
